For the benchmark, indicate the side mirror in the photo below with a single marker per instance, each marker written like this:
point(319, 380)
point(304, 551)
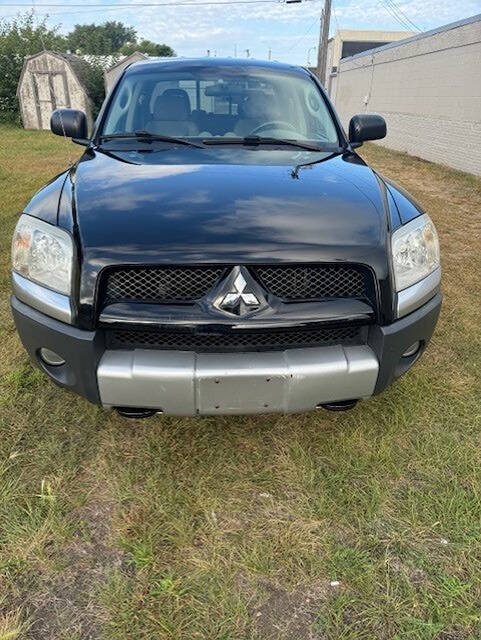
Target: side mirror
point(366, 126)
point(71, 123)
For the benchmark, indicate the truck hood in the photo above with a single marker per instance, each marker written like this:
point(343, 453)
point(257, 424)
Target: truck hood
point(225, 205)
point(136, 207)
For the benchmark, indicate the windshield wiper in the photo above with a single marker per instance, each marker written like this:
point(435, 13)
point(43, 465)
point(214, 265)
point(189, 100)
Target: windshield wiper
point(258, 140)
point(146, 136)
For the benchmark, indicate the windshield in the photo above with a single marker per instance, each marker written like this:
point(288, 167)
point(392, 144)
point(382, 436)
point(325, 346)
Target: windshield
point(229, 102)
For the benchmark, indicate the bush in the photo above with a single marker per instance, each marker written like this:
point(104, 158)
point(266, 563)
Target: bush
point(19, 38)
point(93, 79)
point(148, 47)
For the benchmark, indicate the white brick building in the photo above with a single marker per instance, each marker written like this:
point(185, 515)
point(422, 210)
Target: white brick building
point(428, 88)
point(349, 42)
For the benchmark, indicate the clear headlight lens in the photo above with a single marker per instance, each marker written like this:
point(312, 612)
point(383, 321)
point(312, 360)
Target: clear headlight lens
point(415, 251)
point(43, 253)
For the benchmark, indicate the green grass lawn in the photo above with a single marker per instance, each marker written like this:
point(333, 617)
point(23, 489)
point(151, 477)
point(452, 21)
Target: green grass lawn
point(236, 528)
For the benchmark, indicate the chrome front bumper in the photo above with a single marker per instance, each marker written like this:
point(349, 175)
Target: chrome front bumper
point(184, 383)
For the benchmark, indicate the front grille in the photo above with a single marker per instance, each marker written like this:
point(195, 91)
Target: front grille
point(314, 282)
point(186, 284)
point(234, 341)
point(161, 284)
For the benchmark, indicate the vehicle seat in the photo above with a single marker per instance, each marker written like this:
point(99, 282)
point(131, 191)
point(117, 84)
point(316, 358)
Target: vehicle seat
point(171, 116)
point(199, 117)
point(257, 109)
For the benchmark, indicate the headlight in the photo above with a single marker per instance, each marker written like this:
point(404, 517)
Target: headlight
point(415, 251)
point(43, 253)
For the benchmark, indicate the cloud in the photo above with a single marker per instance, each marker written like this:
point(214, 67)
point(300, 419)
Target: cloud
point(426, 14)
point(281, 26)
point(289, 30)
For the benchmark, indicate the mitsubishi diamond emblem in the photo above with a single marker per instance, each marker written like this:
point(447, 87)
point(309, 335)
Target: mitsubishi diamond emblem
point(237, 293)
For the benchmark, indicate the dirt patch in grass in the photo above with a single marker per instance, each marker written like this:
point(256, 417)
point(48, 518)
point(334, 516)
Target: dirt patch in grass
point(416, 577)
point(289, 615)
point(454, 635)
point(66, 606)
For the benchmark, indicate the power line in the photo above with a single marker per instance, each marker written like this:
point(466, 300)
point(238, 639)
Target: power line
point(401, 12)
point(398, 14)
point(102, 8)
point(393, 13)
point(75, 12)
point(141, 4)
point(304, 35)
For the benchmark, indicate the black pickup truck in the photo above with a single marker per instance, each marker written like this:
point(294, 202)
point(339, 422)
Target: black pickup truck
point(221, 248)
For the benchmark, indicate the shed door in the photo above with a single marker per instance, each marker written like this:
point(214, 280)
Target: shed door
point(60, 89)
point(44, 99)
point(51, 92)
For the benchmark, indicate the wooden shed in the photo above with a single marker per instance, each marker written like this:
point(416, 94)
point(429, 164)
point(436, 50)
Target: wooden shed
point(50, 80)
point(112, 73)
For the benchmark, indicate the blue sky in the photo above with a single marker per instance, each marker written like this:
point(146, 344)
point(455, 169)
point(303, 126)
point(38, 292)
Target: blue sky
point(290, 31)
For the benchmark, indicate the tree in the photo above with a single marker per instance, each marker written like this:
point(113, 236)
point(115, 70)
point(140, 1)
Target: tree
point(100, 39)
point(24, 36)
point(118, 34)
point(148, 47)
point(21, 37)
point(94, 84)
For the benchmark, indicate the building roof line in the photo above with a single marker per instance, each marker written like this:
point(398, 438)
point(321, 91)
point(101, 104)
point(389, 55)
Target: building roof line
point(419, 36)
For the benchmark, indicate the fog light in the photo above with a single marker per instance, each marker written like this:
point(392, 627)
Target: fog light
point(413, 349)
point(51, 358)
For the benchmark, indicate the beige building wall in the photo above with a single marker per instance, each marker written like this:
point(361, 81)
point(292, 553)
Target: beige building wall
point(428, 88)
point(357, 35)
point(334, 47)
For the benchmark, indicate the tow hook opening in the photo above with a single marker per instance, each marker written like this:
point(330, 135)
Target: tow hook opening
point(135, 413)
point(343, 405)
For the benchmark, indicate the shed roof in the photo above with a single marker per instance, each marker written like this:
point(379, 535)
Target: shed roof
point(123, 59)
point(78, 67)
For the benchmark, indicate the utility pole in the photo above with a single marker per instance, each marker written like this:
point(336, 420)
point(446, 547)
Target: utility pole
point(309, 55)
point(269, 56)
point(323, 39)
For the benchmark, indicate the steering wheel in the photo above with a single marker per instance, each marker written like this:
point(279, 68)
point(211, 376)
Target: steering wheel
point(270, 125)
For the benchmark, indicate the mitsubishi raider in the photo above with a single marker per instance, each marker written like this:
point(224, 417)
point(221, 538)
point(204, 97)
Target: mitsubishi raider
point(221, 248)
